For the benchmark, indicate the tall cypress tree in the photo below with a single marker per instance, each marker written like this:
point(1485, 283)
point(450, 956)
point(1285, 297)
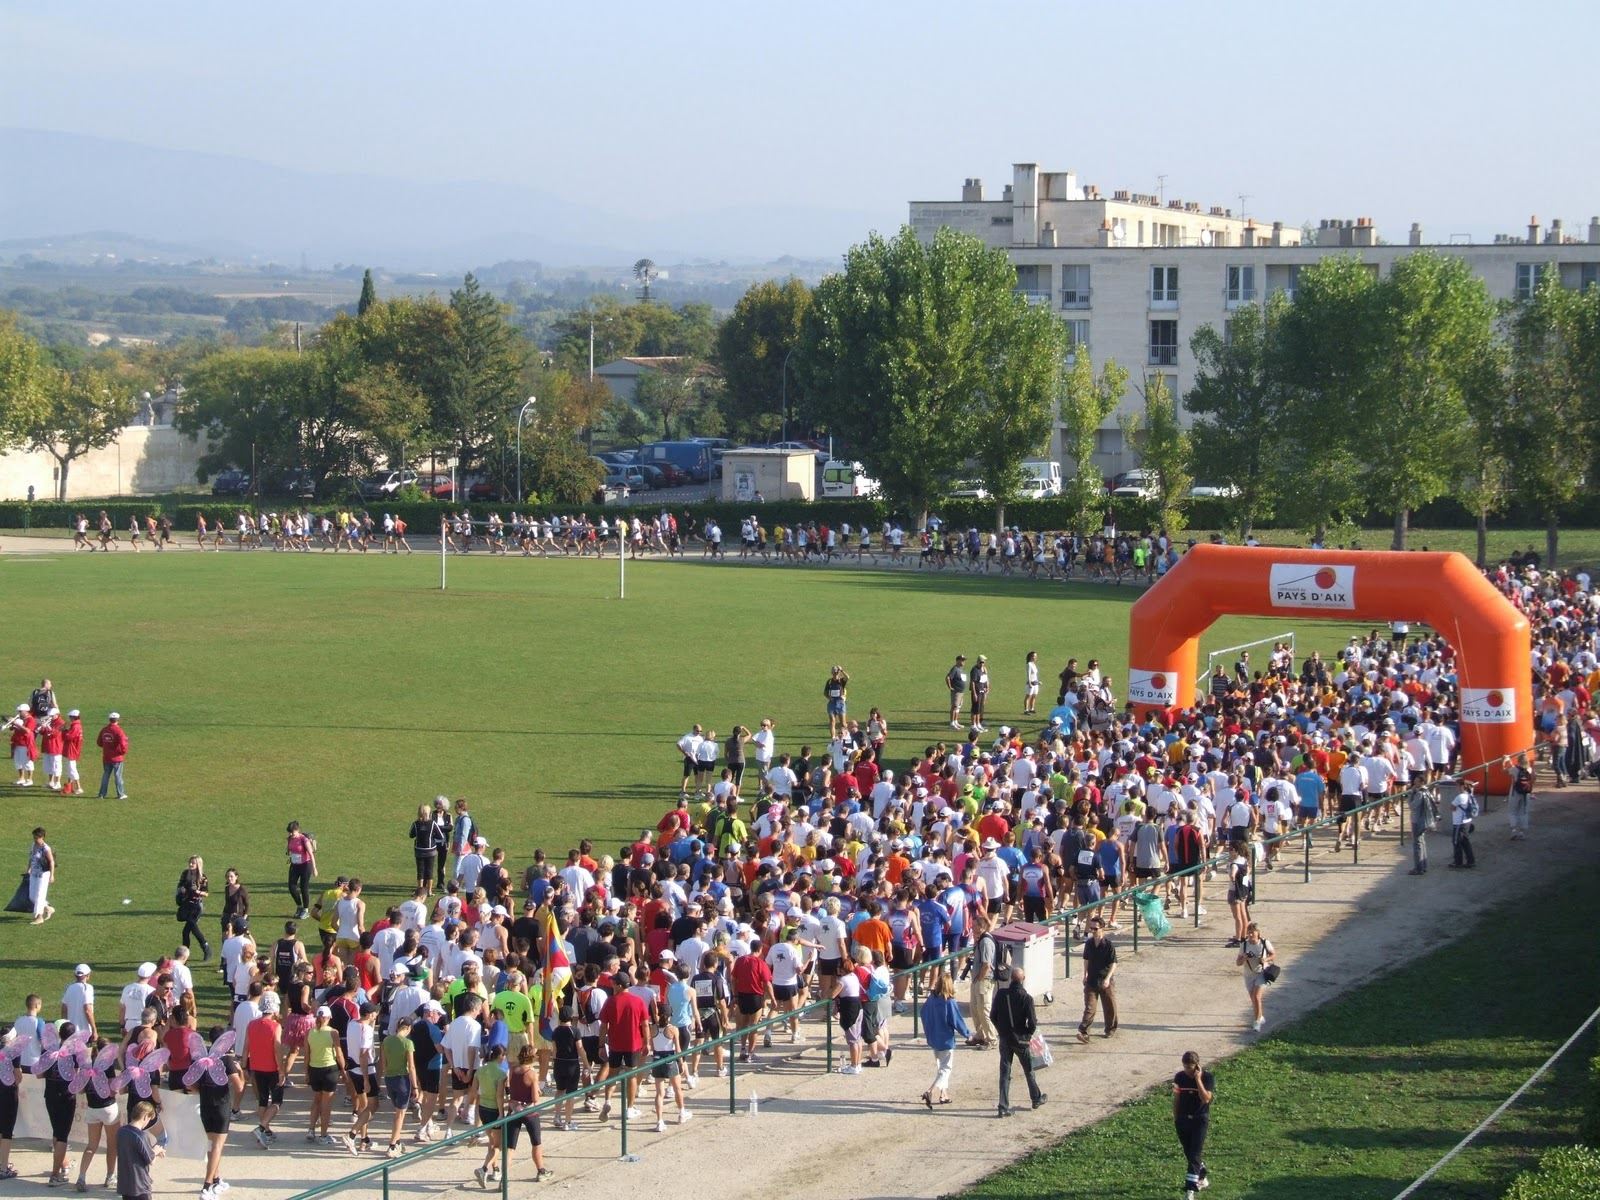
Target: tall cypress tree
point(369, 294)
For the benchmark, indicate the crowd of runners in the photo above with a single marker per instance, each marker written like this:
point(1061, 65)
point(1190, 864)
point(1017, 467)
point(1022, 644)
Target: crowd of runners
point(1106, 554)
point(785, 871)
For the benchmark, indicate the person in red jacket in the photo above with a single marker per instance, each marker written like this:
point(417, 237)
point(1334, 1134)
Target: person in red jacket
point(113, 743)
point(71, 751)
point(53, 734)
point(23, 747)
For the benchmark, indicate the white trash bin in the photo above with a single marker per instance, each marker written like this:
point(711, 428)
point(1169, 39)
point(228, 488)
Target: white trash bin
point(1033, 948)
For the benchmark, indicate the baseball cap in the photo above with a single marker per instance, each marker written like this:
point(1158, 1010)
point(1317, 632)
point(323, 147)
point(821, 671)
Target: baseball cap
point(432, 1006)
point(666, 956)
point(480, 840)
point(401, 970)
point(82, 969)
point(146, 969)
point(500, 910)
point(324, 1011)
point(73, 712)
point(116, 716)
point(22, 708)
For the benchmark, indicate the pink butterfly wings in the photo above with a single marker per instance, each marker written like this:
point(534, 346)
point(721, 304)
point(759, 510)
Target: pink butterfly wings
point(208, 1063)
point(97, 1073)
point(143, 1074)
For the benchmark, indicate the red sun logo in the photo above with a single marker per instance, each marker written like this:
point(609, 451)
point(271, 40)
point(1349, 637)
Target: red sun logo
point(1495, 699)
point(1326, 578)
point(1158, 682)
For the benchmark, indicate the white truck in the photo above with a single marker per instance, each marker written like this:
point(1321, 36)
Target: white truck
point(1044, 478)
point(846, 480)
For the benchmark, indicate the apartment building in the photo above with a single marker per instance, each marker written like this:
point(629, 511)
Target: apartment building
point(1135, 275)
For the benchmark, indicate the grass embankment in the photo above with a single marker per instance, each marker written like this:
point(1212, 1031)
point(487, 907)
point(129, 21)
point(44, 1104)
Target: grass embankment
point(1357, 1100)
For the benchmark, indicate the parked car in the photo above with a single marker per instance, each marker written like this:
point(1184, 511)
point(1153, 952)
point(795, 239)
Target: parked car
point(616, 480)
point(231, 483)
point(654, 477)
point(387, 483)
point(440, 487)
point(297, 483)
point(967, 489)
point(670, 473)
point(1134, 491)
point(619, 457)
point(483, 489)
point(822, 455)
point(1209, 491)
point(692, 458)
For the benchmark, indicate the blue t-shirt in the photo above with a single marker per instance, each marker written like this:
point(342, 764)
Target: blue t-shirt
point(1013, 858)
point(935, 924)
point(1310, 787)
point(1110, 855)
point(428, 1038)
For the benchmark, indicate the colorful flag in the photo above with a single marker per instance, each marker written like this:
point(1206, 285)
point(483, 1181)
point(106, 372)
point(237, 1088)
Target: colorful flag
point(557, 974)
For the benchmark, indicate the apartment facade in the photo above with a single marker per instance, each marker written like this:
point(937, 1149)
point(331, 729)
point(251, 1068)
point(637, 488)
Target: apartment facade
point(1135, 276)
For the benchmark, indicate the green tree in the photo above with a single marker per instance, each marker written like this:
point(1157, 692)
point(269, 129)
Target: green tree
point(482, 370)
point(1238, 405)
point(672, 393)
point(1086, 404)
point(369, 294)
point(752, 346)
point(902, 348)
point(84, 410)
point(1554, 413)
point(26, 382)
point(1016, 404)
point(1435, 344)
point(1328, 338)
point(1156, 432)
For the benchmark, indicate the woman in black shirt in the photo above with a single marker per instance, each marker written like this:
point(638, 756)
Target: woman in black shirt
point(427, 839)
point(235, 902)
point(193, 887)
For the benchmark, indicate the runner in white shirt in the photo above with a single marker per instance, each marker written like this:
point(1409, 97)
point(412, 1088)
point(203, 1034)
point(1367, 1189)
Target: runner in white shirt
point(766, 741)
point(689, 747)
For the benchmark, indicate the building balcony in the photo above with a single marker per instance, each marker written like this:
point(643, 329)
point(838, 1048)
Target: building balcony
point(1034, 297)
point(1163, 299)
point(1163, 356)
point(1075, 297)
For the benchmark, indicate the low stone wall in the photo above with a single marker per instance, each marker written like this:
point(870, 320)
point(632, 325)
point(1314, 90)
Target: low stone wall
point(143, 461)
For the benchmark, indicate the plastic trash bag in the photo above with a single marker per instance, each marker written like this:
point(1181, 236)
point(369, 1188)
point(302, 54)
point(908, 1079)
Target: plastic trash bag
point(1155, 920)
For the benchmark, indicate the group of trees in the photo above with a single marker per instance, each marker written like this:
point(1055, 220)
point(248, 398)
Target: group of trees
point(1370, 395)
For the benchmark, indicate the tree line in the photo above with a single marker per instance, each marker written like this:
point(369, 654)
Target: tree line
point(1363, 395)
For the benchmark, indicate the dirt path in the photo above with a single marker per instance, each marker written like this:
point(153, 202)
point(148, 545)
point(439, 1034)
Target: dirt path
point(1348, 924)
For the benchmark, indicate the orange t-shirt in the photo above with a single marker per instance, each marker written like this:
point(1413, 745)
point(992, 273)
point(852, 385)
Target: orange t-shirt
point(874, 935)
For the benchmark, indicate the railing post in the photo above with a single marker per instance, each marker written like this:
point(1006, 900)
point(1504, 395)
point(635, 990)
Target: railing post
point(385, 1183)
point(505, 1161)
point(1199, 878)
point(827, 1020)
point(625, 1118)
point(1355, 845)
point(1135, 907)
point(1066, 942)
point(1404, 804)
point(1307, 840)
point(916, 1004)
point(733, 1076)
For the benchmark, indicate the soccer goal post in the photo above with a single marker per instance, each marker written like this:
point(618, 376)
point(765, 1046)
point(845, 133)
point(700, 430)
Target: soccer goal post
point(1219, 660)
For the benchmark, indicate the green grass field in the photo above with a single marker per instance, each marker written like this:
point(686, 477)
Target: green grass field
point(262, 687)
point(1360, 1098)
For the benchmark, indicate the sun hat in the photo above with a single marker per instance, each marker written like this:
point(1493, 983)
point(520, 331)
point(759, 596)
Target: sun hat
point(82, 969)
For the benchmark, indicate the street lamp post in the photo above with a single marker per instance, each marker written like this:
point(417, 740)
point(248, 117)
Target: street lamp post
point(783, 376)
point(521, 413)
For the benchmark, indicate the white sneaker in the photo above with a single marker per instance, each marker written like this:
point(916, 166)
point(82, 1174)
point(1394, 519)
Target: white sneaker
point(685, 1117)
point(955, 724)
point(1201, 910)
point(1259, 1022)
point(661, 1126)
point(219, 1187)
point(633, 1114)
point(691, 1082)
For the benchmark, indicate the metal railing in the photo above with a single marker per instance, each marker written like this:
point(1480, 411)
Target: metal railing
point(383, 1171)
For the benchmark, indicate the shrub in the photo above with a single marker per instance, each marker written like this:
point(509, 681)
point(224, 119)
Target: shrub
point(1566, 1173)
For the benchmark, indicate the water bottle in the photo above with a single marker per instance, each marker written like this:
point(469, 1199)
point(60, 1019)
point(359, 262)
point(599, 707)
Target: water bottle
point(755, 1104)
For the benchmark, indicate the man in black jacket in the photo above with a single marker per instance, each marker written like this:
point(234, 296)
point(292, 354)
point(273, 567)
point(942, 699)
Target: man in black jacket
point(1015, 1022)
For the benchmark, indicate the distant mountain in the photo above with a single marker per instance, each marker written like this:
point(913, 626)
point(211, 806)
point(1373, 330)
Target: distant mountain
point(59, 183)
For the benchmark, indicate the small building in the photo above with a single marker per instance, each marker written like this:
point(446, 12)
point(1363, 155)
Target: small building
point(622, 375)
point(750, 474)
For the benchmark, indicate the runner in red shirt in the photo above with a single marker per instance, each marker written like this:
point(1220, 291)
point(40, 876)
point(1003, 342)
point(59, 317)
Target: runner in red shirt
point(53, 737)
point(752, 992)
point(624, 1024)
point(72, 750)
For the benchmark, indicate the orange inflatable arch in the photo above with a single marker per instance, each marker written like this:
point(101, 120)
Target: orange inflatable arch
point(1445, 590)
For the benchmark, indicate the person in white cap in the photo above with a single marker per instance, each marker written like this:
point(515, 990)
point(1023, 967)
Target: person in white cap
point(135, 996)
point(71, 751)
point(23, 745)
point(77, 1002)
point(325, 1071)
point(113, 743)
point(52, 736)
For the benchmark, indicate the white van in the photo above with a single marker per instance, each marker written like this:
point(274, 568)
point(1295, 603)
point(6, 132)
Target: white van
point(1044, 478)
point(846, 480)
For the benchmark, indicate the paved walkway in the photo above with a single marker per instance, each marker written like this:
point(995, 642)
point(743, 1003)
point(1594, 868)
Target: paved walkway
point(1349, 923)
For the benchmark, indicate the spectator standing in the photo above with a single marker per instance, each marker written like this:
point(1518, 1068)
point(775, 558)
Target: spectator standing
point(113, 743)
point(41, 874)
point(1521, 797)
point(1099, 966)
point(1462, 810)
point(136, 1150)
point(1193, 1089)
point(193, 888)
point(1015, 1023)
point(955, 682)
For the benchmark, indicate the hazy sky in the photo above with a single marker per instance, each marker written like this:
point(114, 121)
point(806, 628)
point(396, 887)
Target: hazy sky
point(1468, 116)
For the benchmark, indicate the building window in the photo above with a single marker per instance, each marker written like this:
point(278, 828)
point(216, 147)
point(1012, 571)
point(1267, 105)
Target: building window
point(1075, 287)
point(1241, 285)
point(1588, 276)
point(1528, 279)
point(1077, 335)
point(1163, 343)
point(1163, 287)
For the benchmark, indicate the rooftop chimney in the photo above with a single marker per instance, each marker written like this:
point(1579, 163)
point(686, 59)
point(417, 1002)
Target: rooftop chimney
point(1047, 235)
point(1025, 204)
point(1533, 230)
point(1594, 231)
point(972, 191)
point(1555, 232)
point(1416, 234)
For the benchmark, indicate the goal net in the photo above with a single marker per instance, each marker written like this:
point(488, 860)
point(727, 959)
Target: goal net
point(1226, 660)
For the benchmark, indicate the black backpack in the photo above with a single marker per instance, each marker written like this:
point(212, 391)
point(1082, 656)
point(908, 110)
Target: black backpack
point(1002, 960)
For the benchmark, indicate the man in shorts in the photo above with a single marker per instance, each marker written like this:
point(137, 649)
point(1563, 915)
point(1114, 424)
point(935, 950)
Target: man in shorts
point(955, 681)
point(463, 1044)
point(833, 692)
point(752, 992)
point(624, 1027)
